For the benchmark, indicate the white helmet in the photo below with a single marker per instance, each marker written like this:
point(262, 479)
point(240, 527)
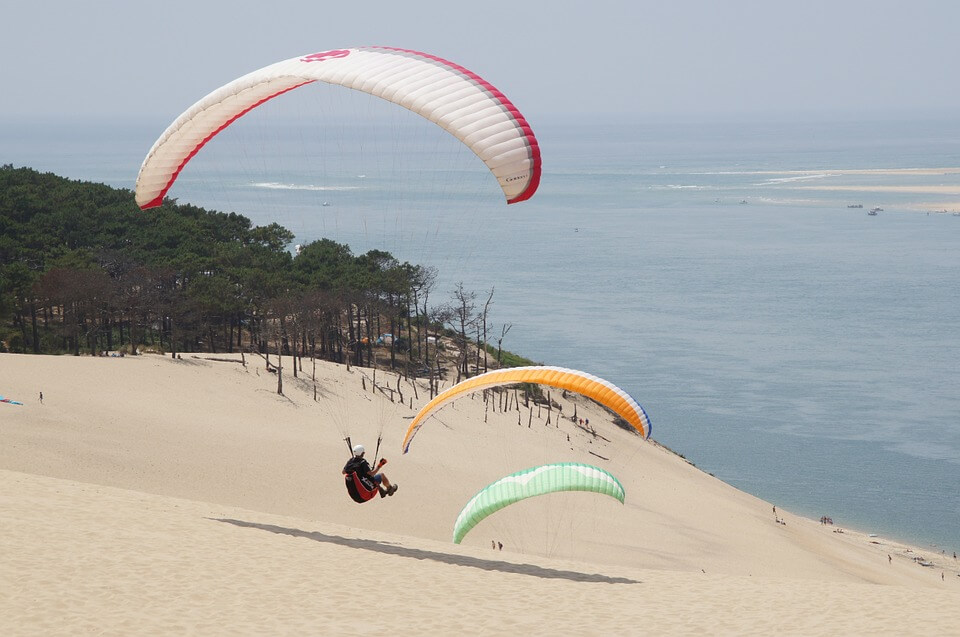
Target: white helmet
point(358, 450)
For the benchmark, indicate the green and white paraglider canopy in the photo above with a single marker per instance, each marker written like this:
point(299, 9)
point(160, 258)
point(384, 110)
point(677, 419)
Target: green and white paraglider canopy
point(529, 483)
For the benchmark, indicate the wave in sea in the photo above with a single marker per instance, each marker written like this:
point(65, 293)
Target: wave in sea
point(927, 450)
point(783, 180)
point(793, 201)
point(273, 185)
point(793, 173)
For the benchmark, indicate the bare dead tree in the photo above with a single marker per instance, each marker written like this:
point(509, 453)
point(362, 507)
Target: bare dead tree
point(439, 316)
point(421, 285)
point(482, 327)
point(279, 337)
point(463, 318)
point(503, 333)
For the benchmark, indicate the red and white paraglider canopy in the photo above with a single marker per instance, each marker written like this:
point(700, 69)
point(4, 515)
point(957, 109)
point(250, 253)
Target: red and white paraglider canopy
point(452, 97)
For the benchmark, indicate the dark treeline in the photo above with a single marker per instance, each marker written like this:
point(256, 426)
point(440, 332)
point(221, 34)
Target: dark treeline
point(83, 270)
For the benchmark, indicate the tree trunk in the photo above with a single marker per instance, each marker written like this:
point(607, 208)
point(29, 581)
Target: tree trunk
point(483, 343)
point(23, 328)
point(370, 360)
point(393, 344)
point(33, 324)
point(173, 341)
point(279, 366)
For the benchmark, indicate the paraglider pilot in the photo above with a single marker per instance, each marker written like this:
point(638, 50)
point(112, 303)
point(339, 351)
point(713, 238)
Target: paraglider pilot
point(358, 464)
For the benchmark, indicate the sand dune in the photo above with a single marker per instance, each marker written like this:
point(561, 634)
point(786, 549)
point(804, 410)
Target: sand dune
point(149, 495)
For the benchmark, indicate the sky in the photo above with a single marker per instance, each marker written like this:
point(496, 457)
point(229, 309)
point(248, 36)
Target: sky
point(631, 60)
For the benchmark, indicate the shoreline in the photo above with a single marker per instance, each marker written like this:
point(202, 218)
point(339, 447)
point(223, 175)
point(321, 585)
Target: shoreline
point(918, 190)
point(799, 180)
point(920, 172)
point(904, 545)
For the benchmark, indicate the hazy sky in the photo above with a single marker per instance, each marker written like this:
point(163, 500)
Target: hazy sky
point(636, 59)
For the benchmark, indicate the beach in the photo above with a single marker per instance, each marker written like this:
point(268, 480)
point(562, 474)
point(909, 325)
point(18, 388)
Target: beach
point(149, 495)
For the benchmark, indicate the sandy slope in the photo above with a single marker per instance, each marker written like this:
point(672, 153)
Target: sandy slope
point(221, 509)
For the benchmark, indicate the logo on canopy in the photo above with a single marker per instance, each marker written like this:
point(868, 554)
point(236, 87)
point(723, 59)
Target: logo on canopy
point(325, 55)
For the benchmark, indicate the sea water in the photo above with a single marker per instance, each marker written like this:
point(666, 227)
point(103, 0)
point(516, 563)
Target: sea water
point(794, 347)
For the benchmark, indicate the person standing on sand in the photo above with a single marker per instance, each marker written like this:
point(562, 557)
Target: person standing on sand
point(41, 398)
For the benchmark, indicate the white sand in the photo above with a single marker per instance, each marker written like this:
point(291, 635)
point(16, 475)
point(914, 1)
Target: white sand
point(150, 496)
point(946, 190)
point(952, 190)
point(892, 172)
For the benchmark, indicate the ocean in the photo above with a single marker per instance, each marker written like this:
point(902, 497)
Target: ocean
point(793, 346)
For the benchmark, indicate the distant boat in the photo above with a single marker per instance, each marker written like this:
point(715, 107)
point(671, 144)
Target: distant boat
point(326, 203)
point(743, 201)
point(873, 211)
point(855, 205)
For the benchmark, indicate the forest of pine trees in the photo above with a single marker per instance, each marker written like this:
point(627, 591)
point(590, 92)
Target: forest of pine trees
point(83, 271)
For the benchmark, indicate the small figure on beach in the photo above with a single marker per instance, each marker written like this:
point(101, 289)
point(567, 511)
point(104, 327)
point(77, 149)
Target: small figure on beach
point(41, 402)
point(493, 544)
point(500, 545)
point(889, 559)
point(371, 479)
